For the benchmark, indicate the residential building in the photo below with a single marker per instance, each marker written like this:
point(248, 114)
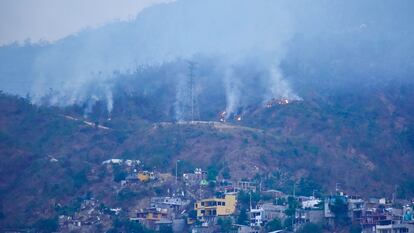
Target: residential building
point(274, 193)
point(195, 178)
point(356, 206)
point(246, 229)
point(265, 213)
point(391, 226)
point(132, 178)
point(145, 176)
point(171, 203)
point(152, 214)
point(303, 216)
point(213, 207)
point(371, 218)
point(246, 186)
point(310, 203)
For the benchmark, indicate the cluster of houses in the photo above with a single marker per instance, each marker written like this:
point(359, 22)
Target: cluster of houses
point(90, 215)
point(373, 215)
point(164, 211)
point(189, 213)
point(195, 206)
point(133, 169)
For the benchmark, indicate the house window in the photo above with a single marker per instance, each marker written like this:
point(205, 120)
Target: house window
point(203, 211)
point(223, 203)
point(202, 203)
point(219, 203)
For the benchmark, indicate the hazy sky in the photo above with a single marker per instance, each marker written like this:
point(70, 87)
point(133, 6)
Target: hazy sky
point(54, 19)
point(315, 40)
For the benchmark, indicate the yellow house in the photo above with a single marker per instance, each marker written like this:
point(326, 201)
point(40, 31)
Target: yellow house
point(152, 214)
point(213, 207)
point(145, 176)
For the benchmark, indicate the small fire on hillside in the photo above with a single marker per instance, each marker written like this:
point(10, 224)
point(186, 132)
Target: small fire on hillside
point(223, 116)
point(284, 101)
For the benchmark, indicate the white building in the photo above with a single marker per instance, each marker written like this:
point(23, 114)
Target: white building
point(311, 203)
point(390, 226)
point(265, 213)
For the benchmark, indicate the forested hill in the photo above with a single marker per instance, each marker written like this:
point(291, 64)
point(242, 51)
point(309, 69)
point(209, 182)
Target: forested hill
point(362, 139)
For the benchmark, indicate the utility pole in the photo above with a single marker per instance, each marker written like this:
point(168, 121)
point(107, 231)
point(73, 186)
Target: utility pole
point(337, 187)
point(313, 193)
point(394, 194)
point(176, 171)
point(250, 193)
point(191, 66)
point(294, 190)
point(191, 98)
point(294, 206)
point(260, 185)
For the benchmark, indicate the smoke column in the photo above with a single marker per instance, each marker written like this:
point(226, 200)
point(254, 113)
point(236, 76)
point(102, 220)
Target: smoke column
point(85, 65)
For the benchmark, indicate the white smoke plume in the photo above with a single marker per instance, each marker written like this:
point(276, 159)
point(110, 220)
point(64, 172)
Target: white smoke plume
point(232, 88)
point(109, 100)
point(74, 69)
point(279, 87)
point(181, 99)
point(77, 65)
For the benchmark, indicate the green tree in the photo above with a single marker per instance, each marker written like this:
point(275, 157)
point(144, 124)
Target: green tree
point(79, 179)
point(166, 229)
point(288, 223)
point(212, 172)
point(280, 201)
point(340, 209)
point(310, 228)
point(293, 204)
point(243, 198)
point(274, 225)
point(226, 173)
point(192, 214)
point(183, 166)
point(119, 174)
point(242, 218)
point(124, 225)
point(225, 224)
point(307, 187)
point(47, 225)
point(355, 228)
point(406, 189)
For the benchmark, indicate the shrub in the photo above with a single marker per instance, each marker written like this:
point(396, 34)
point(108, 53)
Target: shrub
point(47, 225)
point(310, 228)
point(225, 224)
point(274, 225)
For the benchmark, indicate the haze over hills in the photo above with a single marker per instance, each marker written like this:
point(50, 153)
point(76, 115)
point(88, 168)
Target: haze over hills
point(347, 137)
point(283, 92)
point(315, 39)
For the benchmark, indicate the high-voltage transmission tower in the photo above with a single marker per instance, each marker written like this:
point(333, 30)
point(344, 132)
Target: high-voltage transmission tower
point(195, 113)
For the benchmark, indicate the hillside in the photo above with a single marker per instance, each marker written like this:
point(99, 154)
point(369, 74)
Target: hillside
point(330, 137)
